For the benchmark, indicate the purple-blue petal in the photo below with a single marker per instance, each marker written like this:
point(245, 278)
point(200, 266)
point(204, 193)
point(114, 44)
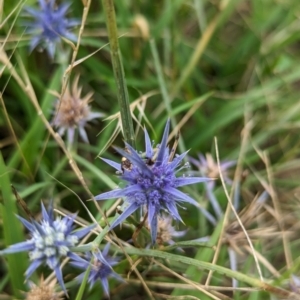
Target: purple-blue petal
point(113, 164)
point(194, 161)
point(106, 249)
point(227, 164)
point(52, 262)
point(148, 145)
point(202, 160)
point(163, 145)
point(171, 206)
point(119, 192)
point(45, 213)
point(104, 282)
point(151, 211)
point(82, 131)
point(126, 213)
point(181, 196)
point(32, 12)
point(181, 181)
point(38, 227)
point(69, 220)
point(59, 277)
point(79, 264)
point(177, 160)
point(19, 247)
point(62, 10)
point(117, 276)
point(50, 211)
point(153, 229)
point(84, 231)
point(33, 266)
point(27, 224)
point(75, 256)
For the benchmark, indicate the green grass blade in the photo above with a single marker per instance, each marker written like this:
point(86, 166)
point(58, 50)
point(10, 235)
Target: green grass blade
point(31, 143)
point(83, 284)
point(122, 91)
point(209, 266)
point(12, 231)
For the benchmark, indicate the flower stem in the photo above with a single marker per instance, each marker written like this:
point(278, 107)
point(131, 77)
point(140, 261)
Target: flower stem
point(123, 98)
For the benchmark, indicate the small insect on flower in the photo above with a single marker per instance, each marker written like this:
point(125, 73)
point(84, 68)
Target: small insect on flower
point(49, 25)
point(126, 163)
point(74, 112)
point(101, 267)
point(50, 240)
point(152, 186)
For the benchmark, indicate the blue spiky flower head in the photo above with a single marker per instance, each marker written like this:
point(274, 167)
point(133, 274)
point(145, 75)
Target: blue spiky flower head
point(151, 182)
point(50, 240)
point(101, 267)
point(49, 25)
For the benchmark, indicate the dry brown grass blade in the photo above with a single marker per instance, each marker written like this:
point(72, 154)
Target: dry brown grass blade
point(15, 139)
point(185, 118)
point(245, 137)
point(264, 261)
point(25, 85)
point(186, 286)
point(138, 104)
point(269, 187)
point(186, 280)
point(236, 214)
point(19, 5)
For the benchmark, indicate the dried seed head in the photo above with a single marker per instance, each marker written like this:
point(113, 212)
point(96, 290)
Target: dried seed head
point(249, 216)
point(73, 112)
point(141, 24)
point(209, 167)
point(165, 230)
point(43, 291)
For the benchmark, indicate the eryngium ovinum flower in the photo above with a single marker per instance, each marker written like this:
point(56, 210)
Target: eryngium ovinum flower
point(208, 167)
point(101, 267)
point(50, 240)
point(49, 25)
point(73, 112)
point(151, 182)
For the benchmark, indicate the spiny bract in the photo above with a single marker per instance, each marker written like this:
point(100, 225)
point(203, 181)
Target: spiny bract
point(101, 267)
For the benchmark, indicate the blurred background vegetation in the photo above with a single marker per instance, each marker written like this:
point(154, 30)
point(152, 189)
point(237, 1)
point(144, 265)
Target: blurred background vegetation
point(226, 69)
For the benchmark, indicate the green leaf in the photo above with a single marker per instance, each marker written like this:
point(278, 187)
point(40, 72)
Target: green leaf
point(208, 266)
point(12, 231)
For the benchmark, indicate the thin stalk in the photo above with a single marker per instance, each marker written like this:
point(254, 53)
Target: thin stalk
point(122, 91)
point(209, 266)
point(163, 89)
